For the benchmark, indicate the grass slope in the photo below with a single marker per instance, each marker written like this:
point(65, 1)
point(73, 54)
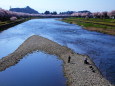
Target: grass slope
point(106, 26)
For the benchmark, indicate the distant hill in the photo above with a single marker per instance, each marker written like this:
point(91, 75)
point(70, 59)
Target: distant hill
point(24, 10)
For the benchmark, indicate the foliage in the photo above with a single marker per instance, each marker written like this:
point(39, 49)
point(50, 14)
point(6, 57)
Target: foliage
point(47, 12)
point(95, 14)
point(6, 15)
point(13, 18)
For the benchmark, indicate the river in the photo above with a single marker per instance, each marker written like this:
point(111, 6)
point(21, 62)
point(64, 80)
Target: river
point(36, 69)
point(99, 47)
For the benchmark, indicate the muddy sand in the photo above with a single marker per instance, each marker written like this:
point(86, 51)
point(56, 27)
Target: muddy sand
point(77, 73)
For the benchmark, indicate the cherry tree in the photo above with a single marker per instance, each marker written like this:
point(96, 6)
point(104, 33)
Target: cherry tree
point(13, 18)
point(111, 14)
point(6, 15)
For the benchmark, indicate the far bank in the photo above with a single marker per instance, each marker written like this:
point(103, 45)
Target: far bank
point(106, 26)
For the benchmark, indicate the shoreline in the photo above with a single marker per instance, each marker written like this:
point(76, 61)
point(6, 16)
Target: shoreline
point(77, 73)
point(107, 31)
point(11, 24)
point(91, 28)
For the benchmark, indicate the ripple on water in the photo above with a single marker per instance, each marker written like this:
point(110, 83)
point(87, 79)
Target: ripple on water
point(100, 47)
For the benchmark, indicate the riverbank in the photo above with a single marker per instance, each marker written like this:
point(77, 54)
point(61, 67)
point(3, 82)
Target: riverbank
point(7, 24)
point(106, 26)
point(77, 73)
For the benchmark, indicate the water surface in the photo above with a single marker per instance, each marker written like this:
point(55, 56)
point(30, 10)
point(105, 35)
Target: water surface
point(100, 47)
point(37, 69)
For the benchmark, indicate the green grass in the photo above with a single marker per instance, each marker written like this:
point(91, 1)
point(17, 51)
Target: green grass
point(93, 19)
point(94, 25)
point(91, 22)
point(2, 23)
point(6, 24)
point(100, 25)
point(8, 21)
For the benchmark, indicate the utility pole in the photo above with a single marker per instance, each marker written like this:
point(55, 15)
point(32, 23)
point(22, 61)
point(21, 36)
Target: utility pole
point(10, 7)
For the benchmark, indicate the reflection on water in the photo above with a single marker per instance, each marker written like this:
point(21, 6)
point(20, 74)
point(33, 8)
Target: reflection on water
point(100, 47)
point(37, 69)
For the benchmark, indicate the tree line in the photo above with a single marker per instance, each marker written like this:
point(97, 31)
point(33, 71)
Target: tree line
point(95, 14)
point(7, 15)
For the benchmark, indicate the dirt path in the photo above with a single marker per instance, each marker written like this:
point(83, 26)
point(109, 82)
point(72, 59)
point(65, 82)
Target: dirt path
point(78, 73)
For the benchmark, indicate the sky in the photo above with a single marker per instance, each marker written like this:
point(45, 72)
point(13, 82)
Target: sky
point(61, 5)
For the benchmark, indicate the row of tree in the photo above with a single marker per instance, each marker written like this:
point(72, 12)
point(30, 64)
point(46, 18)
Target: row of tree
point(61, 13)
point(52, 13)
point(6, 15)
point(95, 15)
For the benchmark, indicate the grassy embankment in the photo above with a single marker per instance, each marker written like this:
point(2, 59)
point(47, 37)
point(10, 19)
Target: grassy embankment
point(106, 26)
point(7, 24)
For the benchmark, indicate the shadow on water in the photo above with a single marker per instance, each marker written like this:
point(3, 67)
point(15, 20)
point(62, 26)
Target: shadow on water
point(100, 47)
point(36, 69)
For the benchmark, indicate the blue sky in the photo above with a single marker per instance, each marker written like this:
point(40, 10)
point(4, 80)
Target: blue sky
point(61, 5)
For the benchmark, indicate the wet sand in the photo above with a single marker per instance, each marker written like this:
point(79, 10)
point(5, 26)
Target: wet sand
point(77, 73)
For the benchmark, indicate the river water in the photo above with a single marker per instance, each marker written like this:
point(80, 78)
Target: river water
point(100, 47)
point(36, 69)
